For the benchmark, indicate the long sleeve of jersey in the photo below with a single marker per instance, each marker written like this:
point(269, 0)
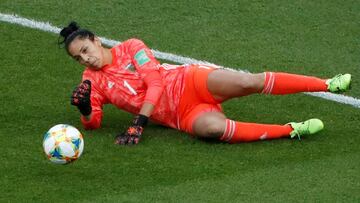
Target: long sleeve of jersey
point(148, 67)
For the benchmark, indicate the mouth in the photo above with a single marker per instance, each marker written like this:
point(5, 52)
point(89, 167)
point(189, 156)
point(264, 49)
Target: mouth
point(94, 63)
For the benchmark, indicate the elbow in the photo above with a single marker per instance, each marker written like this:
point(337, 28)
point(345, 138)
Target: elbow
point(92, 126)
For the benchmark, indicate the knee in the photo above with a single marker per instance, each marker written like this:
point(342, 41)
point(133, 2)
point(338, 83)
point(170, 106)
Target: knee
point(250, 81)
point(214, 130)
point(210, 127)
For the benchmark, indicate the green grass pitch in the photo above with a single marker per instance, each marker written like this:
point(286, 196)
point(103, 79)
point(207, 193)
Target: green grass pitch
point(318, 38)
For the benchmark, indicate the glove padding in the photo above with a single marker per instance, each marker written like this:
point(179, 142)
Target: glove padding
point(133, 133)
point(131, 136)
point(81, 97)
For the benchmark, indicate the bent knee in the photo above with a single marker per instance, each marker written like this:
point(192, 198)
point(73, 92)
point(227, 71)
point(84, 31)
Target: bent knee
point(209, 127)
point(250, 82)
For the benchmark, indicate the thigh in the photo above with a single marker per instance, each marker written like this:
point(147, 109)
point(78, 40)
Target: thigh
point(200, 82)
point(193, 118)
point(196, 98)
point(224, 84)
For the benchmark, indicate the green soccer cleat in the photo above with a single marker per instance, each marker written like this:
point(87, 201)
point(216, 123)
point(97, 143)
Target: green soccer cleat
point(308, 127)
point(340, 83)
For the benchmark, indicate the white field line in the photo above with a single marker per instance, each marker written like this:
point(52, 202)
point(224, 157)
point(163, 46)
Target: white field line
point(46, 26)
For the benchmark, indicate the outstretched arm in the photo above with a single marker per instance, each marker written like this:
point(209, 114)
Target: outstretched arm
point(89, 103)
point(148, 68)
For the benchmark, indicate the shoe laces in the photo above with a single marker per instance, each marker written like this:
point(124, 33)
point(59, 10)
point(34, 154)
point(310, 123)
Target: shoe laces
point(300, 131)
point(335, 80)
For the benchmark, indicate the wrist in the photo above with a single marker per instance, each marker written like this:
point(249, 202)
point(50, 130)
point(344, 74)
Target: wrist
point(88, 117)
point(140, 120)
point(85, 110)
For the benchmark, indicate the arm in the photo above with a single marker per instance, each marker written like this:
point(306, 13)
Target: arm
point(147, 66)
point(89, 102)
point(93, 121)
point(147, 109)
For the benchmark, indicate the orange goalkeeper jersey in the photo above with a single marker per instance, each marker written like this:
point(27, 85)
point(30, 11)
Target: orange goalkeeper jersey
point(135, 77)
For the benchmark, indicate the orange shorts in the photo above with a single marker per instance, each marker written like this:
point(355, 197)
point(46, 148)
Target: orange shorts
point(196, 98)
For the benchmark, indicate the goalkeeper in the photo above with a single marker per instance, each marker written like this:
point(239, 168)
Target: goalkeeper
point(184, 97)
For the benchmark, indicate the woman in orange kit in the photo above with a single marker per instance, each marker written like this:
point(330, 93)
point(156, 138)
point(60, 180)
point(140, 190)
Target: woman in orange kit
point(184, 97)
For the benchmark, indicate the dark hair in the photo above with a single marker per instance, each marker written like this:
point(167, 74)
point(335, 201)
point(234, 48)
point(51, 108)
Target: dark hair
point(73, 31)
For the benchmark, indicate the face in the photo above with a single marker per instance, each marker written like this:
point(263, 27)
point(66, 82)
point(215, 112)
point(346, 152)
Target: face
point(87, 52)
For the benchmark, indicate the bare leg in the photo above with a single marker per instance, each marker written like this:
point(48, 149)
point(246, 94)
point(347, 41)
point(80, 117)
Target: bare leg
point(224, 84)
point(210, 125)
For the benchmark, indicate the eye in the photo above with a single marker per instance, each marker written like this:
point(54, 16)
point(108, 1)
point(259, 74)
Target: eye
point(85, 50)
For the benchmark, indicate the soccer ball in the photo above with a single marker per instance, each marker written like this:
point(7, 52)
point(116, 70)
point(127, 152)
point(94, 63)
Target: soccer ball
point(63, 144)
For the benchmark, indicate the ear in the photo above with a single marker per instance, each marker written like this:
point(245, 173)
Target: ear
point(97, 41)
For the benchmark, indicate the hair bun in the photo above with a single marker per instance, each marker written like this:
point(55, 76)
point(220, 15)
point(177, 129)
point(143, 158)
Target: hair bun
point(71, 32)
point(66, 31)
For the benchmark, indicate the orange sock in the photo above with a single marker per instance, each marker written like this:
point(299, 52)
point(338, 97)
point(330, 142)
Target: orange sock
point(247, 132)
point(285, 83)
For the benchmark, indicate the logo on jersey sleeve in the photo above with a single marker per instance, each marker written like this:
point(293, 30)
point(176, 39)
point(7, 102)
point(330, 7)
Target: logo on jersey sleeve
point(141, 57)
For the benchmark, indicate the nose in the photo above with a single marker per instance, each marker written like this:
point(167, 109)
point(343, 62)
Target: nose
point(84, 58)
